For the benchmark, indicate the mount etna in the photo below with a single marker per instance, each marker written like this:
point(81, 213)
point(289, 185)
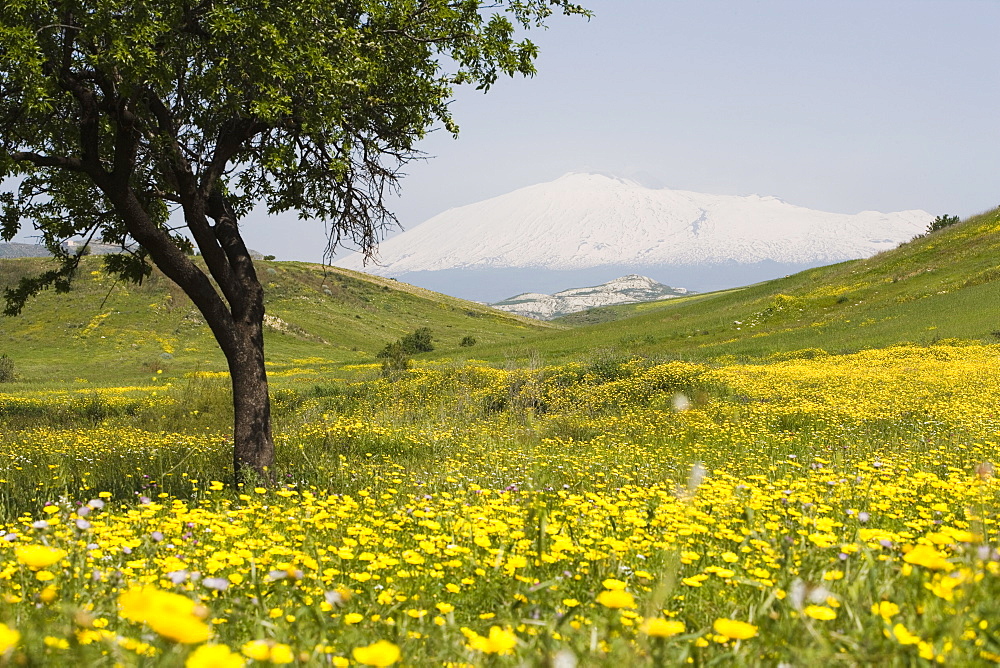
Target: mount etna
point(583, 229)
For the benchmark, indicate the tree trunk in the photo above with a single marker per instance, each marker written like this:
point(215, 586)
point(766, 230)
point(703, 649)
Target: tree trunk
point(253, 446)
point(238, 327)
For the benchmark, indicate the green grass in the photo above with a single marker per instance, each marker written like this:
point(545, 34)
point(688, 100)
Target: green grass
point(518, 494)
point(941, 286)
point(106, 332)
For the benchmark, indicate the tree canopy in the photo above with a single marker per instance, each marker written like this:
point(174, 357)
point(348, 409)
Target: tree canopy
point(157, 125)
point(308, 105)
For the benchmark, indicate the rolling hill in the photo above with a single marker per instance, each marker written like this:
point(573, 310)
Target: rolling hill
point(322, 320)
point(317, 318)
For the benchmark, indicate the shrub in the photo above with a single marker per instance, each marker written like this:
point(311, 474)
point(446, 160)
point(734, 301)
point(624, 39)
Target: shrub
point(417, 342)
point(394, 359)
point(942, 222)
point(396, 355)
point(468, 342)
point(6, 369)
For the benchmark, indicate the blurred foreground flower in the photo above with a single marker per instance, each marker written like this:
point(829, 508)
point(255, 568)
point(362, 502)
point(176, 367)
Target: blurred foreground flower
point(8, 638)
point(268, 650)
point(382, 653)
point(663, 628)
point(500, 641)
point(214, 656)
point(38, 556)
point(173, 616)
point(616, 598)
point(926, 556)
point(734, 629)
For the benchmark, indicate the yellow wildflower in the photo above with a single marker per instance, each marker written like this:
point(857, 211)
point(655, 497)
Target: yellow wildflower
point(820, 612)
point(500, 641)
point(903, 635)
point(663, 628)
point(382, 653)
point(214, 656)
point(615, 599)
point(734, 629)
point(8, 638)
point(173, 616)
point(926, 556)
point(38, 556)
point(885, 609)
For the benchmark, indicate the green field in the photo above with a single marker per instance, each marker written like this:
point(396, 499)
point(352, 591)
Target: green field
point(793, 473)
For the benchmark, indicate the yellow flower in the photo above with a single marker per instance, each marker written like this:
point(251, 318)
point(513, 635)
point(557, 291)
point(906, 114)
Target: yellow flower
point(258, 650)
point(214, 656)
point(734, 629)
point(8, 638)
point(926, 556)
point(173, 616)
point(612, 583)
point(885, 609)
point(500, 641)
point(353, 618)
point(186, 629)
point(281, 654)
point(38, 556)
point(820, 612)
point(662, 628)
point(382, 653)
point(615, 599)
point(903, 636)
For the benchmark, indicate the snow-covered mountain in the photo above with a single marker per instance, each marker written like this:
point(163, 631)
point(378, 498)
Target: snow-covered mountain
point(625, 290)
point(587, 221)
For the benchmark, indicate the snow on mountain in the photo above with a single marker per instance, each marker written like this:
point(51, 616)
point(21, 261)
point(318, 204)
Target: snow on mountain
point(589, 220)
point(625, 290)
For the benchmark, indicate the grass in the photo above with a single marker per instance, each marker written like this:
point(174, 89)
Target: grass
point(319, 317)
point(833, 509)
point(762, 476)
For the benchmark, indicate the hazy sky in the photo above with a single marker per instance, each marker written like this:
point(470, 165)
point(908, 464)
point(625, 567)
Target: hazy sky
point(837, 105)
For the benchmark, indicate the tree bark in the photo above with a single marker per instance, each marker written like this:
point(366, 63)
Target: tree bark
point(238, 328)
point(253, 446)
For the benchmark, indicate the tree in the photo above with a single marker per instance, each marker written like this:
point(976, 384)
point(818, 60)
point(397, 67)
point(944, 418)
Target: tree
point(156, 125)
point(941, 222)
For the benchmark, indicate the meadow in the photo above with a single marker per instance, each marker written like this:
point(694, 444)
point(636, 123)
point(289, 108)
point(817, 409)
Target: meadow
point(616, 510)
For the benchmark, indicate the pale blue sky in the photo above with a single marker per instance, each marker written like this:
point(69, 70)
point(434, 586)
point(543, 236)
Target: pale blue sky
point(839, 105)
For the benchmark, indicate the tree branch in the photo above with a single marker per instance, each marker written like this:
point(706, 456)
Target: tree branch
point(72, 164)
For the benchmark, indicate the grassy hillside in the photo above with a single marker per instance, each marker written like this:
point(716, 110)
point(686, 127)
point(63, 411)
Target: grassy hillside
point(943, 285)
point(322, 319)
point(318, 317)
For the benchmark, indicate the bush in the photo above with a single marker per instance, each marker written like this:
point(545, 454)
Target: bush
point(394, 359)
point(942, 222)
point(468, 342)
point(6, 369)
point(396, 355)
point(417, 342)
